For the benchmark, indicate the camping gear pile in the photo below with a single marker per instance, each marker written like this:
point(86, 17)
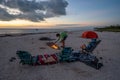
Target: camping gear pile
point(27, 58)
point(67, 54)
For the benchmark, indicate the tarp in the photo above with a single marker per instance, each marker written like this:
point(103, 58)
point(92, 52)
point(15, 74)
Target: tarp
point(89, 34)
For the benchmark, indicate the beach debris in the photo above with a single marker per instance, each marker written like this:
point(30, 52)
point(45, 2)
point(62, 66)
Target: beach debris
point(46, 39)
point(42, 48)
point(12, 59)
point(32, 42)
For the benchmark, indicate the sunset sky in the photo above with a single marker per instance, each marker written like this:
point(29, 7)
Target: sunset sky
point(53, 13)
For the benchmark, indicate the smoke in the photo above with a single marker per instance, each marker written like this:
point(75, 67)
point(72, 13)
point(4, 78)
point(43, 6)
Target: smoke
point(33, 10)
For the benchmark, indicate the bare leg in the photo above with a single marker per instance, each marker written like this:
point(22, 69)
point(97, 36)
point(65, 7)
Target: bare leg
point(63, 44)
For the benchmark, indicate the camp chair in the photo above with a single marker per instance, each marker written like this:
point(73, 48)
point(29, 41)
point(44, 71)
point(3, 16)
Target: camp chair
point(91, 46)
point(69, 55)
point(88, 59)
point(26, 58)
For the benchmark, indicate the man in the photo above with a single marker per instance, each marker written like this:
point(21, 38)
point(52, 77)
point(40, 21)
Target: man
point(62, 37)
point(89, 46)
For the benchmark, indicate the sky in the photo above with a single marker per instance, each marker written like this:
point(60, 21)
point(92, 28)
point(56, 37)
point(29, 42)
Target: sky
point(58, 13)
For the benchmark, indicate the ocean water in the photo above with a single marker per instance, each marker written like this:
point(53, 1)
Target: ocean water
point(14, 31)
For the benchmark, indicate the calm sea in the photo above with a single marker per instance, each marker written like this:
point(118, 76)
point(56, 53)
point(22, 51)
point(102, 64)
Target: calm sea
point(14, 31)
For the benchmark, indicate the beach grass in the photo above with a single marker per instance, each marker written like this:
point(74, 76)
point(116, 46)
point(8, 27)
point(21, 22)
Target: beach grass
point(112, 28)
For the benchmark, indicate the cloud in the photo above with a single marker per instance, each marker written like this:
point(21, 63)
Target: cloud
point(33, 10)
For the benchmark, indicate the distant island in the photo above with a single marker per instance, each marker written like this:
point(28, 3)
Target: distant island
point(111, 28)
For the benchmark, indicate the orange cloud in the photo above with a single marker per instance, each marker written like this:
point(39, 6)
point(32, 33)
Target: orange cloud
point(24, 24)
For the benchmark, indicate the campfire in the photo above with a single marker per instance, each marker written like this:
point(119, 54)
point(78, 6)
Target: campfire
point(53, 45)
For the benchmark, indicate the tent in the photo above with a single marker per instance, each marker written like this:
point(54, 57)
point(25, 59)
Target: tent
point(89, 35)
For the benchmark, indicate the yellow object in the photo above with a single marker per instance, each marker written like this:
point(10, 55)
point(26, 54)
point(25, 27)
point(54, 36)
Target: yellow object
point(54, 46)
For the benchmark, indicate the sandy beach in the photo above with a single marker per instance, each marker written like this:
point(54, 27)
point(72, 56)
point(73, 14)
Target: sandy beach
point(108, 49)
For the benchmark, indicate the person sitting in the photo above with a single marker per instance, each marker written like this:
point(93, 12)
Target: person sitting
point(91, 46)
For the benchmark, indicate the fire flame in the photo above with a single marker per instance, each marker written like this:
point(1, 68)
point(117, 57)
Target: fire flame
point(54, 46)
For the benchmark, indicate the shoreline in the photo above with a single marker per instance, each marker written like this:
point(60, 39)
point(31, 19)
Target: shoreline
point(9, 32)
point(23, 34)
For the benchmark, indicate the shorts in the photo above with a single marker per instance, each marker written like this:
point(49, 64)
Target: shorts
point(64, 39)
